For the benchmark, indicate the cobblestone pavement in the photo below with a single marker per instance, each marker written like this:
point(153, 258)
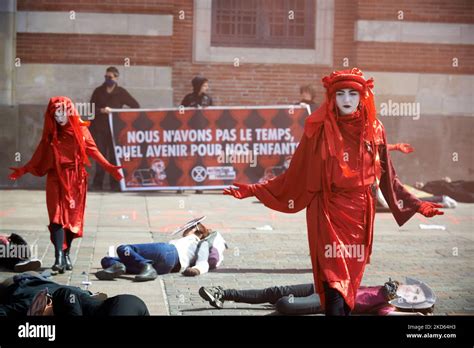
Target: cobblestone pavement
point(265, 247)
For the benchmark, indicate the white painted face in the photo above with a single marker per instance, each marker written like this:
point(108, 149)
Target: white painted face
point(347, 100)
point(60, 115)
point(411, 293)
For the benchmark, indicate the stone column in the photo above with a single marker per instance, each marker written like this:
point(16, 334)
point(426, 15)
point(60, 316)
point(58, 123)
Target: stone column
point(7, 51)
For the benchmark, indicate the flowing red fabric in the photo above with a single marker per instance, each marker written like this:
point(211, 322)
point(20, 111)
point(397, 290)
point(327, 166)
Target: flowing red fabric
point(332, 174)
point(62, 154)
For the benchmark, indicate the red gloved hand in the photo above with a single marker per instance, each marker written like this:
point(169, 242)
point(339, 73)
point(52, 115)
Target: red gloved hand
point(243, 191)
point(17, 173)
point(114, 171)
point(405, 148)
point(428, 209)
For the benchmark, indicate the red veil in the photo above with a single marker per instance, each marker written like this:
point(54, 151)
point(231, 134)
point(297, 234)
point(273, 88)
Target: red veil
point(339, 215)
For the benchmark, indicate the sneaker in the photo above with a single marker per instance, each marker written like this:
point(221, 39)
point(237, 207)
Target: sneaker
point(214, 295)
point(448, 202)
point(27, 265)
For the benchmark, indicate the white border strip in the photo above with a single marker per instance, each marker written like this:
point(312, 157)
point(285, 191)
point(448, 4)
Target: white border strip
point(288, 106)
point(414, 32)
point(94, 23)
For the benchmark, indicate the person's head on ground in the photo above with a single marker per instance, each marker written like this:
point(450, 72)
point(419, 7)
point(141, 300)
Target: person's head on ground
point(111, 76)
point(200, 85)
point(414, 295)
point(199, 230)
point(42, 304)
point(307, 94)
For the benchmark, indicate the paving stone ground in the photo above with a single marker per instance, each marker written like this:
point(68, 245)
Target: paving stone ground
point(258, 256)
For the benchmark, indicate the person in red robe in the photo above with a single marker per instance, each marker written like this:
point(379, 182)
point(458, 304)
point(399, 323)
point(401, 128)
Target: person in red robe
point(341, 159)
point(62, 154)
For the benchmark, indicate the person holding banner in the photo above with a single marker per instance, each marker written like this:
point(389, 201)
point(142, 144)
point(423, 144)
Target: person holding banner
point(308, 96)
point(105, 97)
point(62, 155)
point(199, 97)
point(341, 159)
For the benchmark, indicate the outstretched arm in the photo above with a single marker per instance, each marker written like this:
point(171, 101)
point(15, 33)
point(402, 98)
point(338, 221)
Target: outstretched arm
point(402, 147)
point(39, 164)
point(402, 203)
point(202, 265)
point(293, 190)
point(93, 151)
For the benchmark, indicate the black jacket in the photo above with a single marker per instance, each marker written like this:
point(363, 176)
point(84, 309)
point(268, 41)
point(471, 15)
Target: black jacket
point(17, 297)
point(195, 100)
point(115, 100)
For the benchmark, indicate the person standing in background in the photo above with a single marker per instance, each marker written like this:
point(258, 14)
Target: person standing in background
point(199, 96)
point(105, 97)
point(308, 96)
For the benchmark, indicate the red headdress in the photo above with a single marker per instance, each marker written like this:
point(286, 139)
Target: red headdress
point(327, 113)
point(46, 155)
point(74, 120)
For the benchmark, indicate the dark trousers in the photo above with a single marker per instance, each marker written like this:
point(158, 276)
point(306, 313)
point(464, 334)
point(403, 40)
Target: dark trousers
point(16, 241)
point(105, 145)
point(335, 304)
point(163, 256)
point(289, 300)
point(9, 262)
point(123, 305)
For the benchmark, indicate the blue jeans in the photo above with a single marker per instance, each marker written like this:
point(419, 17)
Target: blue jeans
point(163, 256)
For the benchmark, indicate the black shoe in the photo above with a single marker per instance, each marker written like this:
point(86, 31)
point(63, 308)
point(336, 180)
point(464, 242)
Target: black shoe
point(214, 295)
point(68, 260)
point(27, 265)
point(59, 262)
point(148, 273)
point(114, 271)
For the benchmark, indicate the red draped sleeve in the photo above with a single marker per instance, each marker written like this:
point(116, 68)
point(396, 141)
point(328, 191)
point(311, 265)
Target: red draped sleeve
point(93, 151)
point(402, 203)
point(293, 190)
point(42, 160)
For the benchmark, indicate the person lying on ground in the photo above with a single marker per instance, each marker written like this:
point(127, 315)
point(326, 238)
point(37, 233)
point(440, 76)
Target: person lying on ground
point(19, 298)
point(198, 251)
point(393, 298)
point(15, 254)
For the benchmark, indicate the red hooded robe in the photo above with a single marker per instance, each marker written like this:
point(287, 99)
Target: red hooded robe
point(339, 195)
point(62, 155)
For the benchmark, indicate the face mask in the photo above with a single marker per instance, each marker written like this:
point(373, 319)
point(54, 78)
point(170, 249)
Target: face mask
point(60, 116)
point(109, 82)
point(347, 100)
